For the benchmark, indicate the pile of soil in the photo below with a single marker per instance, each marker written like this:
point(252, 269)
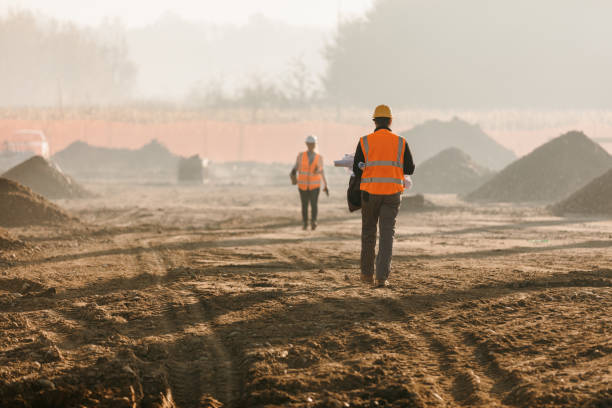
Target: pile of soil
point(10, 159)
point(20, 206)
point(594, 199)
point(152, 161)
point(9, 242)
point(433, 136)
point(46, 179)
point(551, 172)
point(450, 171)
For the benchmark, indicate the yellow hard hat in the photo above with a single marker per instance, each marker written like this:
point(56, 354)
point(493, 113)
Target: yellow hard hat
point(382, 111)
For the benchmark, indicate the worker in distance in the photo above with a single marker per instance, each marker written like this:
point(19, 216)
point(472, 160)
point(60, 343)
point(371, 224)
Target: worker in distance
point(308, 173)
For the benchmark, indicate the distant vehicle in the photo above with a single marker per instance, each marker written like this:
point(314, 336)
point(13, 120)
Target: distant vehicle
point(192, 169)
point(27, 141)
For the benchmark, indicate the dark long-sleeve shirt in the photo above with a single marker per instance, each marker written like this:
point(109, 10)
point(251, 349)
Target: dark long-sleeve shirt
point(360, 157)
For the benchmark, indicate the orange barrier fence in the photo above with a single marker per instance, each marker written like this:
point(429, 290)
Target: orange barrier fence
point(218, 141)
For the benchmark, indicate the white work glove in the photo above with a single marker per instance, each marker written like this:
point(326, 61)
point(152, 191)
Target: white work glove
point(407, 182)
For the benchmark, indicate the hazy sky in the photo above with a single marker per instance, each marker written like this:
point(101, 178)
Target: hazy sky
point(141, 12)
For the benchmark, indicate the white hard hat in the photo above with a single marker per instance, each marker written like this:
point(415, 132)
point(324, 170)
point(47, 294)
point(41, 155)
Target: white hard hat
point(311, 139)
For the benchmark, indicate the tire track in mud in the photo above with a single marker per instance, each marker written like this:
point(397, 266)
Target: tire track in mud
point(223, 362)
point(190, 377)
point(185, 369)
point(504, 383)
point(424, 356)
point(468, 371)
point(187, 319)
point(463, 372)
point(467, 379)
point(291, 258)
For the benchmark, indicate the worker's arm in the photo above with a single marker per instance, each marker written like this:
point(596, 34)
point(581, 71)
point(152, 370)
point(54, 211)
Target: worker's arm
point(408, 162)
point(297, 165)
point(322, 171)
point(359, 158)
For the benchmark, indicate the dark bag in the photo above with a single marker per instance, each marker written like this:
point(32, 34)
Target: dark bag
point(293, 177)
point(353, 194)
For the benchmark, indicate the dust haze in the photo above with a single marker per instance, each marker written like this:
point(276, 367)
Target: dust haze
point(155, 251)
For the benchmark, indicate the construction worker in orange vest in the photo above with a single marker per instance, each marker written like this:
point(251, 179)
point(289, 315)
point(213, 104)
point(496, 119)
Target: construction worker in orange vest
point(310, 173)
point(385, 158)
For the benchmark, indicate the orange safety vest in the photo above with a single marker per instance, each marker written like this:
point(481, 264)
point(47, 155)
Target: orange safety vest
point(384, 165)
point(309, 175)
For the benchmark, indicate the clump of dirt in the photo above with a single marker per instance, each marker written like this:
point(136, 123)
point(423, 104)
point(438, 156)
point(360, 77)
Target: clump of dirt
point(450, 171)
point(594, 199)
point(46, 179)
point(415, 203)
point(7, 241)
point(82, 386)
point(551, 172)
point(430, 138)
point(152, 161)
point(20, 206)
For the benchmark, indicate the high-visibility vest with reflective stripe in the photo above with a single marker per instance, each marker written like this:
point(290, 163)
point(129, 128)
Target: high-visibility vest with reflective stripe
point(384, 163)
point(309, 175)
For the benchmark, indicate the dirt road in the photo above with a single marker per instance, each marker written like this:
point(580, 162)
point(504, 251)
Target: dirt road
point(209, 297)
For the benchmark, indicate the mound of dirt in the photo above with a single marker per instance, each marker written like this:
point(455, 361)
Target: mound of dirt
point(20, 206)
point(594, 199)
point(10, 159)
point(9, 242)
point(551, 172)
point(433, 136)
point(152, 161)
point(46, 179)
point(450, 171)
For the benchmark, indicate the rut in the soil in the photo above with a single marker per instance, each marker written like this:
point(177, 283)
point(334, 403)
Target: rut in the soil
point(199, 367)
point(226, 383)
point(197, 354)
point(465, 375)
point(183, 367)
point(468, 380)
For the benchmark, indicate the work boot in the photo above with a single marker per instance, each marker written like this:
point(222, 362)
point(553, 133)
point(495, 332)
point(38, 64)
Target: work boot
point(313, 225)
point(367, 279)
point(305, 227)
point(382, 283)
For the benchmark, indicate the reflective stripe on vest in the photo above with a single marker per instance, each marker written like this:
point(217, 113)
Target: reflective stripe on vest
point(308, 177)
point(382, 174)
point(384, 163)
point(390, 180)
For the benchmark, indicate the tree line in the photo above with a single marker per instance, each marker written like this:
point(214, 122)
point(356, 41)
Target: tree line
point(409, 53)
point(474, 54)
point(47, 63)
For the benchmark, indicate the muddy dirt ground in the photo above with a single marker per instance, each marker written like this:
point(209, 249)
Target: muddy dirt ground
point(214, 296)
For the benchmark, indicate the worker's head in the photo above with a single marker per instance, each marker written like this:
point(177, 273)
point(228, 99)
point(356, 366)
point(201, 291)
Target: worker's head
point(382, 116)
point(311, 142)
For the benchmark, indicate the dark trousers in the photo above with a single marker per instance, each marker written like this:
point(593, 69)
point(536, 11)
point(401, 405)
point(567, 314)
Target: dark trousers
point(312, 197)
point(378, 210)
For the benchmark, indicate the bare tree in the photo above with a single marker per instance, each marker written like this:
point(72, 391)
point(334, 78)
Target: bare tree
point(259, 94)
point(300, 85)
